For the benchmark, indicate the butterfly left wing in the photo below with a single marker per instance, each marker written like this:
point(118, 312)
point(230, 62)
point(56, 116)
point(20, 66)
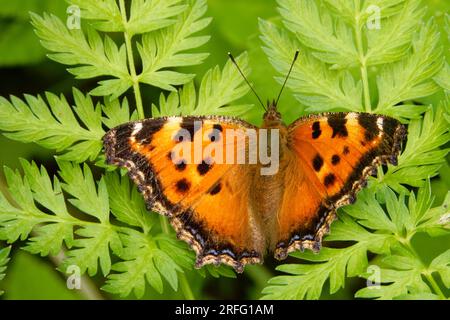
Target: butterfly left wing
point(330, 157)
point(207, 202)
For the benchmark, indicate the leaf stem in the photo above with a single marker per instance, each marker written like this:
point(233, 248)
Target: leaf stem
point(164, 224)
point(435, 286)
point(362, 60)
point(185, 287)
point(132, 65)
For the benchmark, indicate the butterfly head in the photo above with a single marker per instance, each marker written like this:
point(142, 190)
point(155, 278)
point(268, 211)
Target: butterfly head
point(272, 117)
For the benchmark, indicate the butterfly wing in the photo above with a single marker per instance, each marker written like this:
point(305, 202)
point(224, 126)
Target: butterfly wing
point(330, 158)
point(206, 199)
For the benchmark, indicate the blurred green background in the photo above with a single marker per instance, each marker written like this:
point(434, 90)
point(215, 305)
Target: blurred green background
point(24, 68)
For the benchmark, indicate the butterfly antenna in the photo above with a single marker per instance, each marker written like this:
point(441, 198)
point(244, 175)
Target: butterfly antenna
point(287, 77)
point(245, 78)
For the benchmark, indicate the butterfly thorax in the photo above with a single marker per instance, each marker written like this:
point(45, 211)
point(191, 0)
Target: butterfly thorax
point(268, 190)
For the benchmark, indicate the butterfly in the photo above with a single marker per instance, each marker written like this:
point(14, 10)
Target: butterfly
point(232, 204)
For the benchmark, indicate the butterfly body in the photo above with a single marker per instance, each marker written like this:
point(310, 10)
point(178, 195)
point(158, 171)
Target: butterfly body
point(233, 212)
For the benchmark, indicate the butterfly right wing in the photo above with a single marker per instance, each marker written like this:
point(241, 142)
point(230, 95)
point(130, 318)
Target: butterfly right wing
point(330, 158)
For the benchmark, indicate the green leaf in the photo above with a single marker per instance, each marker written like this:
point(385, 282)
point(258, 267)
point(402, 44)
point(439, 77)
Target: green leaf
point(143, 260)
point(307, 280)
point(377, 219)
point(94, 242)
point(441, 264)
point(103, 15)
point(411, 78)
point(401, 283)
point(90, 56)
point(392, 40)
point(166, 48)
point(218, 90)
point(443, 78)
point(54, 125)
point(127, 203)
point(435, 220)
point(4, 253)
point(331, 40)
point(49, 239)
point(117, 113)
point(150, 15)
point(93, 248)
point(313, 84)
point(424, 152)
point(79, 183)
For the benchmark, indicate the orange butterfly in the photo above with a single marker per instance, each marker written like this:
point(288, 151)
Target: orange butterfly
point(223, 205)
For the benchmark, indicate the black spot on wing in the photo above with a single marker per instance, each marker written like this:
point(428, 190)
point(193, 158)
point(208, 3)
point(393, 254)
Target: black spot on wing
point(346, 150)
point(337, 122)
point(149, 128)
point(218, 127)
point(183, 186)
point(316, 132)
point(203, 168)
point(181, 165)
point(215, 189)
point(317, 162)
point(329, 180)
point(189, 126)
point(369, 123)
point(335, 159)
point(389, 126)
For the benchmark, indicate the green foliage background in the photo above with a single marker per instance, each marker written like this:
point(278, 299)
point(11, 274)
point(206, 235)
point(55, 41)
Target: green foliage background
point(394, 227)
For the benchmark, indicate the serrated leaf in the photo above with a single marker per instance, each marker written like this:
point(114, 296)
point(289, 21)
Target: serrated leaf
point(443, 78)
point(143, 261)
point(401, 282)
point(307, 280)
point(332, 40)
point(218, 90)
point(410, 78)
point(126, 202)
point(166, 48)
point(392, 40)
point(53, 125)
point(4, 259)
point(423, 155)
point(150, 15)
point(50, 238)
point(93, 248)
point(71, 47)
point(104, 15)
point(79, 183)
point(441, 264)
point(313, 84)
point(117, 113)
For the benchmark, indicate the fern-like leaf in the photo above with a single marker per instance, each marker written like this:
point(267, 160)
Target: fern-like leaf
point(4, 254)
point(314, 85)
point(217, 92)
point(55, 125)
point(165, 49)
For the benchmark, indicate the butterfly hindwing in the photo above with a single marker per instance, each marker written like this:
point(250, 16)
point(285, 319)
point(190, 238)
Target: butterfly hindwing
point(333, 154)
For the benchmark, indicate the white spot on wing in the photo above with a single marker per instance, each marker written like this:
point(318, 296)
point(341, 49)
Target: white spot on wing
point(137, 128)
point(174, 120)
point(380, 121)
point(352, 115)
